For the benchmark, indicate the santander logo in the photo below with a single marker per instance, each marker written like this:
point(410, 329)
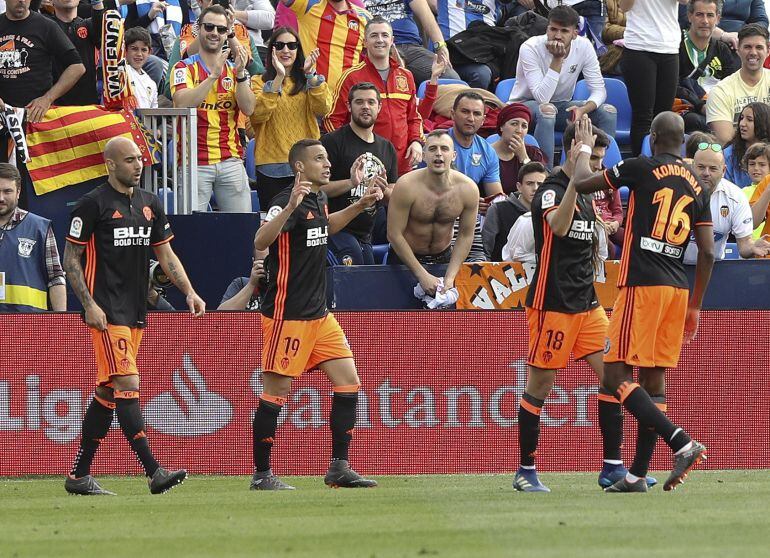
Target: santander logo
point(190, 409)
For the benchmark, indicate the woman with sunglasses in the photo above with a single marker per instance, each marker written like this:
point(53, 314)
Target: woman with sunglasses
point(291, 97)
point(753, 127)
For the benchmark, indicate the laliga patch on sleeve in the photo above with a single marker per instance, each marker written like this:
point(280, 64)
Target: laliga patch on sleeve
point(274, 211)
point(76, 227)
point(548, 199)
point(180, 75)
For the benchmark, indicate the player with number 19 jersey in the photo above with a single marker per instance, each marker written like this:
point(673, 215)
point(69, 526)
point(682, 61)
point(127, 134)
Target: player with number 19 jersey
point(666, 201)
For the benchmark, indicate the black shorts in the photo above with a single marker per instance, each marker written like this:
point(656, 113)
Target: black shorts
point(425, 259)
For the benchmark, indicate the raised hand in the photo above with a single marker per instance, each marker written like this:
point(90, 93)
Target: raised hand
point(310, 61)
point(299, 191)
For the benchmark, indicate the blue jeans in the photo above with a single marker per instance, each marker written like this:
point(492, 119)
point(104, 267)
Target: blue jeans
point(475, 75)
point(546, 125)
point(349, 250)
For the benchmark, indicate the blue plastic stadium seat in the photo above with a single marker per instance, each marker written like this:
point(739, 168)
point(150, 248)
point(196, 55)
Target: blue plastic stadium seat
point(611, 158)
point(731, 251)
point(617, 96)
point(647, 149)
point(441, 81)
point(504, 88)
point(249, 161)
point(528, 140)
point(380, 252)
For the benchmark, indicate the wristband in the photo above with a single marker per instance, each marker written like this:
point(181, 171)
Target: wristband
point(310, 76)
point(242, 79)
point(585, 149)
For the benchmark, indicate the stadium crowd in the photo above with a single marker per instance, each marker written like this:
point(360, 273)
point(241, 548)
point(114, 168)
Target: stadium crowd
point(371, 77)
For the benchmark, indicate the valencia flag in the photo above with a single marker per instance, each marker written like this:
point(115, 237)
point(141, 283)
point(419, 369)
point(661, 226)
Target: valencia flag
point(67, 146)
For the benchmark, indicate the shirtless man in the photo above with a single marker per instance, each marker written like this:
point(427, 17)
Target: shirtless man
point(423, 208)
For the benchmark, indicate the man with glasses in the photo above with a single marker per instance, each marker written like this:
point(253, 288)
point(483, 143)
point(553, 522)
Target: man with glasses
point(730, 209)
point(220, 90)
point(652, 315)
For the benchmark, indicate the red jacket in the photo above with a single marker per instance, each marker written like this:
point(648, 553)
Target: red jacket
point(398, 121)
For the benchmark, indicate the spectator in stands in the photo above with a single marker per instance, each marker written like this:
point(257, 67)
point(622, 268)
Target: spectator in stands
point(138, 44)
point(290, 98)
point(753, 127)
point(730, 211)
point(405, 16)
point(220, 91)
point(757, 162)
point(735, 14)
point(360, 159)
point(593, 11)
point(691, 145)
point(187, 44)
point(614, 29)
point(398, 120)
point(30, 271)
point(26, 76)
point(426, 205)
point(750, 84)
point(513, 153)
point(650, 62)
point(245, 293)
point(336, 29)
point(502, 215)
point(546, 74)
point(86, 36)
point(475, 157)
point(607, 202)
point(455, 17)
point(759, 194)
point(257, 16)
point(703, 62)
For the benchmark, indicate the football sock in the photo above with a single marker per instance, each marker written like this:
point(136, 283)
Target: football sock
point(342, 420)
point(132, 424)
point(96, 424)
point(529, 427)
point(263, 430)
point(611, 426)
point(646, 439)
point(633, 397)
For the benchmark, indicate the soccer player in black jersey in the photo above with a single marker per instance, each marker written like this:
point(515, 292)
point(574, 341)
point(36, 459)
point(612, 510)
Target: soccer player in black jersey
point(299, 333)
point(563, 311)
point(652, 313)
point(117, 225)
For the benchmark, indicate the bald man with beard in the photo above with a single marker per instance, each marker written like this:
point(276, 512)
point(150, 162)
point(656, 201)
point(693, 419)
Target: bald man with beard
point(113, 230)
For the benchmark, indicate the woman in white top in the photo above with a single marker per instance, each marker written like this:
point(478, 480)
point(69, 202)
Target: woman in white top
point(650, 61)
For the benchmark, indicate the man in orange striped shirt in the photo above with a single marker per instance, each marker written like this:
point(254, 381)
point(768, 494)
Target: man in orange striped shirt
point(336, 28)
point(220, 91)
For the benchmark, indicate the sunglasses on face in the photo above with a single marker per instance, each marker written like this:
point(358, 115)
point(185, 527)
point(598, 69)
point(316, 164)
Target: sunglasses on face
point(715, 147)
point(209, 27)
point(280, 45)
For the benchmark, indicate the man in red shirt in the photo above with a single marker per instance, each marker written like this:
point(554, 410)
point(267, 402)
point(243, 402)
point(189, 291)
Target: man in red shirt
point(398, 121)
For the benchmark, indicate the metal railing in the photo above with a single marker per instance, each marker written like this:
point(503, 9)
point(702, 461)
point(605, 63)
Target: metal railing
point(175, 180)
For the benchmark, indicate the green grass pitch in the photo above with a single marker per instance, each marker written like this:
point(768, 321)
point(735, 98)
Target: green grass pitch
point(716, 513)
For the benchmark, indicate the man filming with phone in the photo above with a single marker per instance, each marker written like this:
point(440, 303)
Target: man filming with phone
point(220, 90)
